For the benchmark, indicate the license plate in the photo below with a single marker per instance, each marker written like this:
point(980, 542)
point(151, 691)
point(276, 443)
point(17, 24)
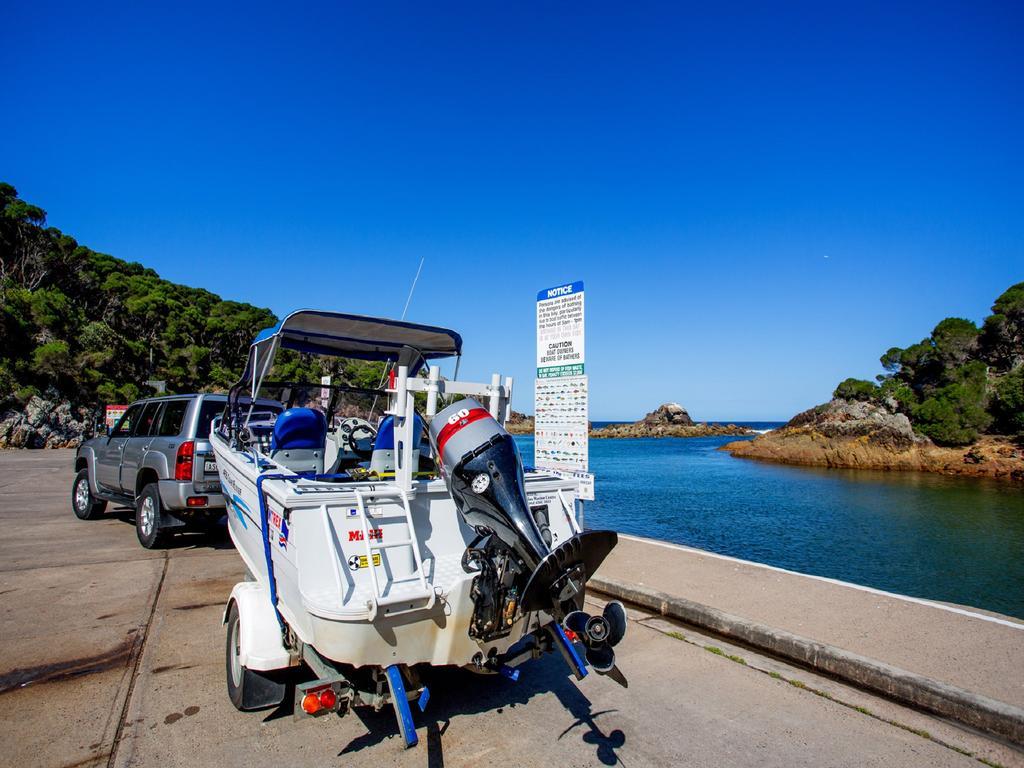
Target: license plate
point(210, 467)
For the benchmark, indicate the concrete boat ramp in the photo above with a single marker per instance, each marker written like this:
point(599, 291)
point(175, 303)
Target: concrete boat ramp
point(113, 656)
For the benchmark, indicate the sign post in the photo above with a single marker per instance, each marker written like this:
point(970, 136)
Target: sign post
point(325, 392)
point(561, 402)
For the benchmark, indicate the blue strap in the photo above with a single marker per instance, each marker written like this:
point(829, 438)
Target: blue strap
point(264, 526)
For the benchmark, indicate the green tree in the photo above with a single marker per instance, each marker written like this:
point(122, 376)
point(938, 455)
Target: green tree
point(955, 341)
point(956, 413)
point(1002, 338)
point(52, 360)
point(856, 389)
point(1008, 404)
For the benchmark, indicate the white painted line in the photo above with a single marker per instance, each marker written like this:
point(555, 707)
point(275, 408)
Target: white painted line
point(850, 585)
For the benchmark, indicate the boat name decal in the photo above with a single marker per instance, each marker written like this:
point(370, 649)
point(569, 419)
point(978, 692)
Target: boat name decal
point(375, 533)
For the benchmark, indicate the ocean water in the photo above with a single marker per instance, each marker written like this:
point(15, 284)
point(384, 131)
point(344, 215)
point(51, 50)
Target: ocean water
point(943, 538)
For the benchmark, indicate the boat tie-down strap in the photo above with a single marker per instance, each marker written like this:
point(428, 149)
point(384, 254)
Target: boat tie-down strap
point(265, 527)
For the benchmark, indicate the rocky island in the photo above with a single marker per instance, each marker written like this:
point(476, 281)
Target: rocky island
point(952, 403)
point(860, 435)
point(668, 420)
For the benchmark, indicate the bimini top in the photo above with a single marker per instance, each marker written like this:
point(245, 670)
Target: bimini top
point(366, 338)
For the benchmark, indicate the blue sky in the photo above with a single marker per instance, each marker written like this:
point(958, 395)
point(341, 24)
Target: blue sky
point(760, 198)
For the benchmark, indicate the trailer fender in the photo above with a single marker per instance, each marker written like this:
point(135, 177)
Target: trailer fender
point(261, 645)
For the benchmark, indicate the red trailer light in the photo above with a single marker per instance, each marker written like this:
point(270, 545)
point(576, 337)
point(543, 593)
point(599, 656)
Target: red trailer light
point(183, 464)
point(328, 699)
point(310, 704)
point(197, 501)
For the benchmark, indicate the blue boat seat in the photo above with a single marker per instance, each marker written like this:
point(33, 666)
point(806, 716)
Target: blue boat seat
point(297, 442)
point(383, 458)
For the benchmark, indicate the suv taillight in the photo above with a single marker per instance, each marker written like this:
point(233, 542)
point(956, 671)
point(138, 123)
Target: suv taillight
point(183, 465)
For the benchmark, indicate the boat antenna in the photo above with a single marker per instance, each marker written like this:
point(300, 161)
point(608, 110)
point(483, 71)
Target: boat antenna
point(413, 286)
point(408, 301)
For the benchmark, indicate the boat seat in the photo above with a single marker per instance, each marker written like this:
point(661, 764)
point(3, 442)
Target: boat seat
point(383, 458)
point(298, 440)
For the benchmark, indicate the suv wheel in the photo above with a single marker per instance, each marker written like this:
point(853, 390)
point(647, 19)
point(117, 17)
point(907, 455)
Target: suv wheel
point(147, 518)
point(85, 506)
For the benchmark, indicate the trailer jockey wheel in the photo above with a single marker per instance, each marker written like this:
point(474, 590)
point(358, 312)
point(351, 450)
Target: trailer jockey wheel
point(247, 688)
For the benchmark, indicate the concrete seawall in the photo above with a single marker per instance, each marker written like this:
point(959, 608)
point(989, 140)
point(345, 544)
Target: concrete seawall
point(955, 662)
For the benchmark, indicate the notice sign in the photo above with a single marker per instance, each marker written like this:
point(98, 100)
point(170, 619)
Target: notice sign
point(112, 415)
point(560, 402)
point(560, 331)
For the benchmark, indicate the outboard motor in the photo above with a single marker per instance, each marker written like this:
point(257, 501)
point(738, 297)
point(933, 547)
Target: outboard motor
point(518, 571)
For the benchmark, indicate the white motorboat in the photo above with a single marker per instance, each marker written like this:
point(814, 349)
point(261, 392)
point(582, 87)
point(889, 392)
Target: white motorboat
point(375, 545)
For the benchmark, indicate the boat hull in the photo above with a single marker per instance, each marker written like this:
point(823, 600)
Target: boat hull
point(345, 584)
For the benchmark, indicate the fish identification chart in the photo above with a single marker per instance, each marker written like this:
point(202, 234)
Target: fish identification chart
point(560, 403)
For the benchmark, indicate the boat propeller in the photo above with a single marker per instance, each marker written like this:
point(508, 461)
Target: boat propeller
point(600, 635)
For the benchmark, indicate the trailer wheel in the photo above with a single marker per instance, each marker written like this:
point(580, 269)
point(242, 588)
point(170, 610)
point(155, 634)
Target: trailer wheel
point(147, 518)
point(247, 688)
point(85, 506)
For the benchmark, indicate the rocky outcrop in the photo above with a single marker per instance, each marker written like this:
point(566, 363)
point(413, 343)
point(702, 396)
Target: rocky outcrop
point(668, 415)
point(668, 420)
point(841, 419)
point(44, 423)
point(861, 435)
point(519, 424)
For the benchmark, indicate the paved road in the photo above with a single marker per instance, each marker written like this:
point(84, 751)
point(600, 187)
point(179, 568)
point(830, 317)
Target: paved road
point(112, 655)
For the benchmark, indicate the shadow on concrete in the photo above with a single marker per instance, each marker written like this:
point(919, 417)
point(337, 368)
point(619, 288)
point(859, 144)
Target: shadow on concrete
point(456, 693)
point(214, 537)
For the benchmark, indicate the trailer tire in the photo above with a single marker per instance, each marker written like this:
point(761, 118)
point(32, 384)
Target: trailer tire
point(147, 518)
point(247, 688)
point(83, 503)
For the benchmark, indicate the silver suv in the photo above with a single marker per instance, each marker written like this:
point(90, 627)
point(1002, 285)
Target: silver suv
point(158, 459)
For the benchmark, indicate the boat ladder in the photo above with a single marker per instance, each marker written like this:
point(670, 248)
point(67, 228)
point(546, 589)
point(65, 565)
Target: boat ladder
point(423, 593)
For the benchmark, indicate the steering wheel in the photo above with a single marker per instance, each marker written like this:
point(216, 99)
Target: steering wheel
point(356, 436)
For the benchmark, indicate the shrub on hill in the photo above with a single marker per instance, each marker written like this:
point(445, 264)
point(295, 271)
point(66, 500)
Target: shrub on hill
point(94, 328)
point(961, 381)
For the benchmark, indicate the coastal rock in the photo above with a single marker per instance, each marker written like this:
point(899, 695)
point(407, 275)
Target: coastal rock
point(861, 435)
point(856, 419)
point(669, 414)
point(44, 423)
point(668, 420)
point(519, 424)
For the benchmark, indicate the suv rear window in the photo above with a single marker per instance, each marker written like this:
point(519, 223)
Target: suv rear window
point(173, 415)
point(209, 409)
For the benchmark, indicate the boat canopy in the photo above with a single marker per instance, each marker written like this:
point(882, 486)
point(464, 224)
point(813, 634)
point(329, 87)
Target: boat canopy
point(336, 334)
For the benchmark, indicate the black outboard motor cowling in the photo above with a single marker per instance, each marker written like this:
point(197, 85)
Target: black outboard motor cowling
point(519, 572)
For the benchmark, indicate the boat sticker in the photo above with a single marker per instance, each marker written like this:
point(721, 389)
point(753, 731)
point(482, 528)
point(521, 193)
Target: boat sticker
point(359, 561)
point(353, 513)
point(375, 533)
point(241, 510)
point(278, 528)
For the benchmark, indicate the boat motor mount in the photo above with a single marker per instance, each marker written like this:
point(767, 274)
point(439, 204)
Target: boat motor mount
point(518, 571)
